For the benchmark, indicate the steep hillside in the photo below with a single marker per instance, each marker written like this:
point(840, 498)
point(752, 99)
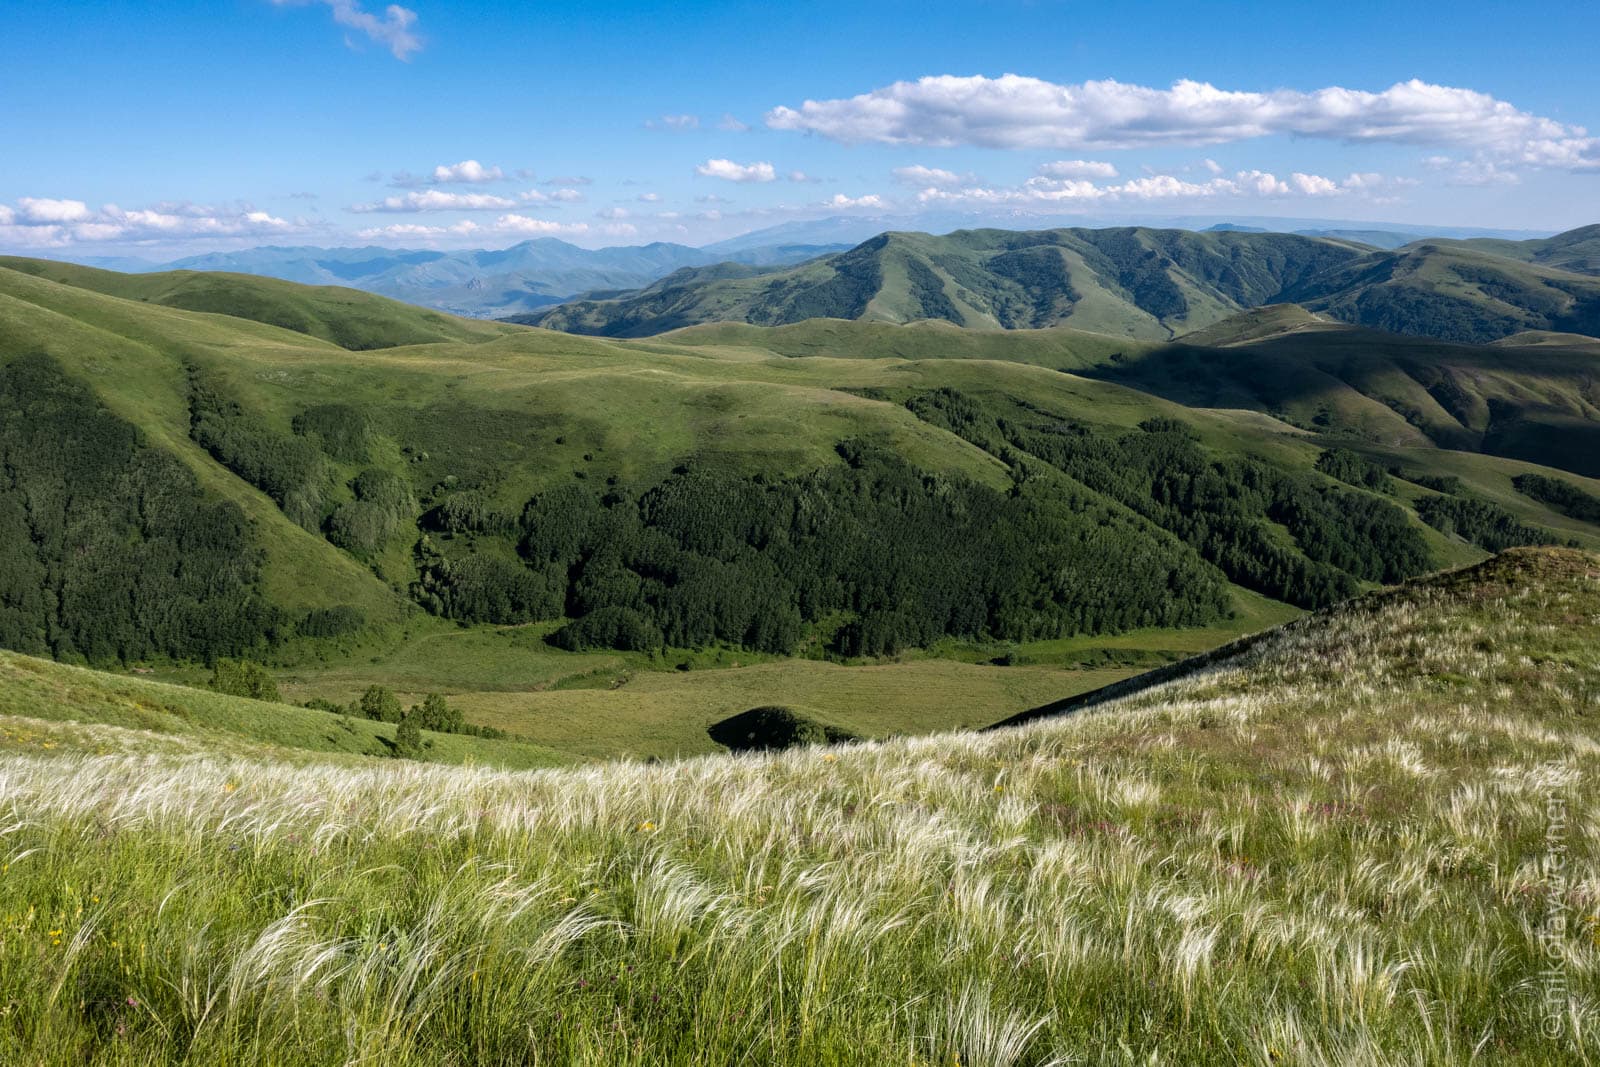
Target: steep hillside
point(1360, 840)
point(1134, 283)
point(1452, 292)
point(1533, 401)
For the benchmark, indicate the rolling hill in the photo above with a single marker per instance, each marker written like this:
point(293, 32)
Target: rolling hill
point(1140, 284)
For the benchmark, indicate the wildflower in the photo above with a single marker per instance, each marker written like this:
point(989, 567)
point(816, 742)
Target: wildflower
point(646, 827)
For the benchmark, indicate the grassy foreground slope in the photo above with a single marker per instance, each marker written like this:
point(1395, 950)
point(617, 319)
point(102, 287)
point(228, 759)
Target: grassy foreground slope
point(46, 705)
point(1338, 847)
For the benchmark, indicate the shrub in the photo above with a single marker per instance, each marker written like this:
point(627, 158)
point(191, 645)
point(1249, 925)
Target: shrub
point(380, 705)
point(242, 678)
point(774, 726)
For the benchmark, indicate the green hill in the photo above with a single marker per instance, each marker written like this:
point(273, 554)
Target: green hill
point(346, 317)
point(1135, 283)
point(1575, 250)
point(1361, 840)
point(1452, 292)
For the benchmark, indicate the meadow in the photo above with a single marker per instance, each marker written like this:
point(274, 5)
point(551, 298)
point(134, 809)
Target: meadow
point(1366, 838)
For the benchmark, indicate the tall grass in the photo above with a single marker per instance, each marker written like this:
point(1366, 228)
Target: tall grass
point(1331, 850)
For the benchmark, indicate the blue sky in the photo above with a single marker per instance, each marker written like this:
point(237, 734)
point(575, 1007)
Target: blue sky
point(164, 128)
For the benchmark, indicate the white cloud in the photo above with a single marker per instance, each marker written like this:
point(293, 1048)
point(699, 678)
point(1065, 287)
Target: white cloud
point(42, 222)
point(613, 213)
point(1243, 185)
point(802, 177)
point(649, 198)
point(923, 177)
point(468, 171)
point(392, 29)
point(1077, 168)
point(1021, 112)
point(1211, 165)
point(731, 124)
point(555, 196)
point(41, 210)
point(841, 202)
point(728, 170)
point(522, 224)
point(435, 200)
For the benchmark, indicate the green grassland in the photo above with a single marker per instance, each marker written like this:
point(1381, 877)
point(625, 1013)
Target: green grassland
point(46, 705)
point(1334, 846)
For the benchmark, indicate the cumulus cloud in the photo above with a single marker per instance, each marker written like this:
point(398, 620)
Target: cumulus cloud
point(1020, 112)
point(728, 170)
point(1043, 190)
point(44, 222)
point(923, 177)
point(555, 196)
point(1077, 168)
point(612, 213)
point(731, 124)
point(841, 202)
point(467, 172)
point(649, 198)
point(42, 210)
point(802, 177)
point(392, 29)
point(436, 200)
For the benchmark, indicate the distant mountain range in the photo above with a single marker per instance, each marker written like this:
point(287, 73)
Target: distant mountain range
point(477, 283)
point(1140, 283)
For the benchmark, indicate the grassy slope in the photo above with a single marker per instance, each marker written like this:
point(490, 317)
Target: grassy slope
point(1326, 850)
point(345, 317)
point(46, 705)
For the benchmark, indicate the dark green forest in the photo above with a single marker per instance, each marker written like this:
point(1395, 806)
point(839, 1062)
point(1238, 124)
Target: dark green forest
point(899, 556)
point(110, 550)
point(1229, 510)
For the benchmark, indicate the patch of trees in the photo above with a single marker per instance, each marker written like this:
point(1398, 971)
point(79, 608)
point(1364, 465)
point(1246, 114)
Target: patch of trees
point(343, 431)
point(1354, 469)
point(109, 549)
point(382, 507)
point(1223, 508)
point(289, 469)
point(1569, 499)
point(707, 556)
point(1489, 526)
